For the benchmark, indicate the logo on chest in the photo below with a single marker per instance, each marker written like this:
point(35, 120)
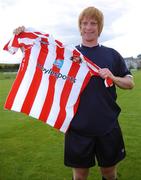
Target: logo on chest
point(58, 63)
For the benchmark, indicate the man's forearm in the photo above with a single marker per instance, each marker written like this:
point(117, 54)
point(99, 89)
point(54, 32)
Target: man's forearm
point(124, 82)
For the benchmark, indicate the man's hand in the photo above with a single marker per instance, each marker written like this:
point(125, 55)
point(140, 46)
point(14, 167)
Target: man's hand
point(105, 73)
point(19, 30)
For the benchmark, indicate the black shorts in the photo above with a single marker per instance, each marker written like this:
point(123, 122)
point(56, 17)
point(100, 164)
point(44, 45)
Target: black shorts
point(83, 151)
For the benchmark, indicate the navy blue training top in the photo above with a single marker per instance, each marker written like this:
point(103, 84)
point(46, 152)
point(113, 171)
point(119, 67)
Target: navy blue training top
point(98, 111)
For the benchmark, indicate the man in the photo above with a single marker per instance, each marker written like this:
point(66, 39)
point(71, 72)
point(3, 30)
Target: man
point(94, 132)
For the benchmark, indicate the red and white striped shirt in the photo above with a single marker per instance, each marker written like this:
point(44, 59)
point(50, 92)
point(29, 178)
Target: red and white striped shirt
point(50, 79)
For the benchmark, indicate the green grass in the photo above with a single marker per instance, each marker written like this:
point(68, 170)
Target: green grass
point(31, 150)
point(130, 120)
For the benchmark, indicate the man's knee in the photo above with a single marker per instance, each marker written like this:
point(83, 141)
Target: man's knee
point(109, 173)
point(80, 173)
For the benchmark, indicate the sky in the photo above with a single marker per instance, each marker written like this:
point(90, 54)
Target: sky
point(122, 24)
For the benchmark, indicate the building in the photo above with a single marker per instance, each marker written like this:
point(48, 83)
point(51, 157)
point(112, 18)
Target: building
point(133, 63)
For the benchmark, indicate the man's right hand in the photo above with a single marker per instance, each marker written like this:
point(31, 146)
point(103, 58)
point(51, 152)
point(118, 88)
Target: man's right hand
point(19, 30)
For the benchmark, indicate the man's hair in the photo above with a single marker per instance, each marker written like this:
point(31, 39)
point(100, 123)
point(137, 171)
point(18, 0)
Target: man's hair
point(93, 13)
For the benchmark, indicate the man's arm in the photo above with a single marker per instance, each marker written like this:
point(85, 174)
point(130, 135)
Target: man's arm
point(125, 82)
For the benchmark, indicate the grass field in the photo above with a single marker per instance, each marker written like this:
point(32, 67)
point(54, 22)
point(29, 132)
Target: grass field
point(31, 150)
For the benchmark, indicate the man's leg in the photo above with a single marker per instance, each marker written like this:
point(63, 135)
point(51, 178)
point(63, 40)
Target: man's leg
point(80, 173)
point(110, 150)
point(79, 154)
point(109, 173)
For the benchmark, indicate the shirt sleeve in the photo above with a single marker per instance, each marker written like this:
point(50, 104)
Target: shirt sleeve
point(12, 45)
point(122, 69)
point(23, 41)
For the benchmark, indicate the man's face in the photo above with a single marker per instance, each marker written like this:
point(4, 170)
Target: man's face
point(89, 30)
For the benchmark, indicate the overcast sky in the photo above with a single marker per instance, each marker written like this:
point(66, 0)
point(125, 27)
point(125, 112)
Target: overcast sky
point(122, 24)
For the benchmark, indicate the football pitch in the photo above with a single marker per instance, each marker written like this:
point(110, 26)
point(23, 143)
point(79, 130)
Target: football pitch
point(31, 150)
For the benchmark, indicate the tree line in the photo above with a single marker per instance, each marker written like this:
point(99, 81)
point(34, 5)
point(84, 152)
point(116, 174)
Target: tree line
point(9, 67)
